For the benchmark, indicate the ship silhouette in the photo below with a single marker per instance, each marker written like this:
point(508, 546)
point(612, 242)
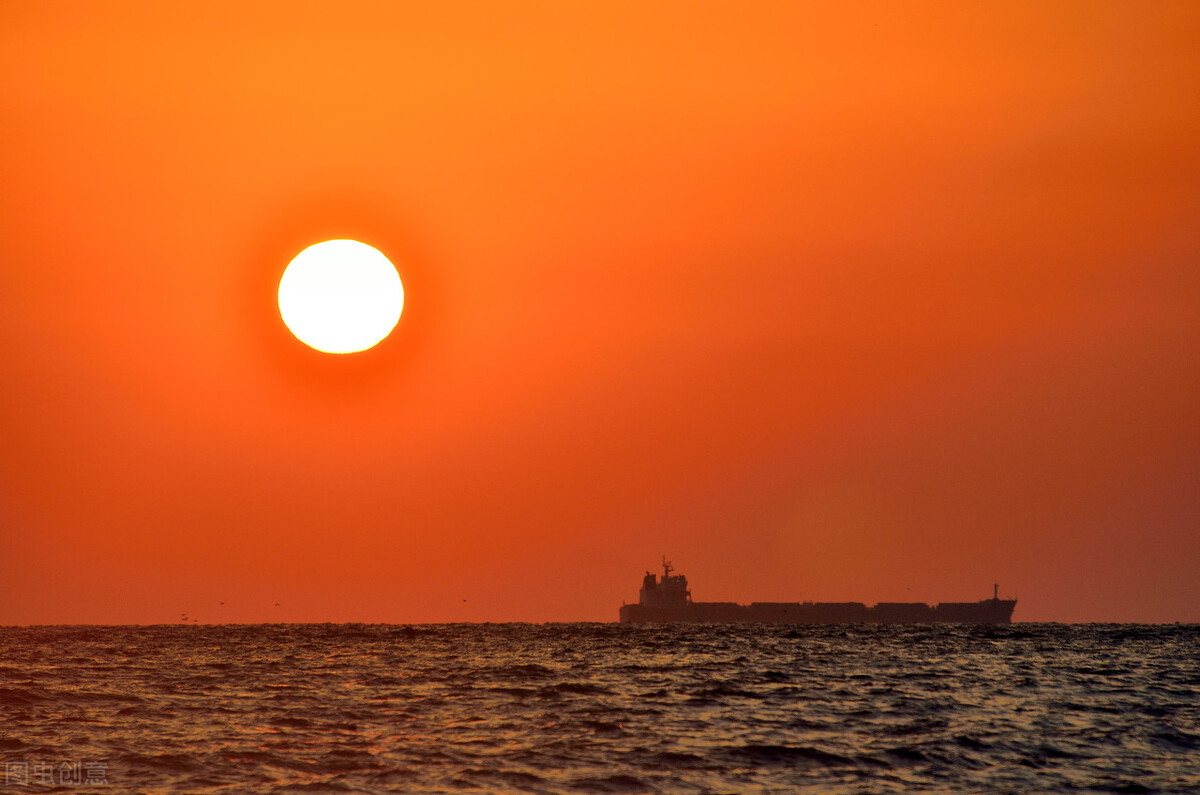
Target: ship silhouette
point(667, 599)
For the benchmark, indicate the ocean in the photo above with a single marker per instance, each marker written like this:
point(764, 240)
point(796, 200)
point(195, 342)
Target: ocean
point(601, 708)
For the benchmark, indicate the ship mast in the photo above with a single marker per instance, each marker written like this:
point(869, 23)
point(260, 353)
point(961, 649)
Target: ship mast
point(666, 568)
point(995, 590)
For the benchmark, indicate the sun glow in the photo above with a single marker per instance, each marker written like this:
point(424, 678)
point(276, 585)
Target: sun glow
point(340, 296)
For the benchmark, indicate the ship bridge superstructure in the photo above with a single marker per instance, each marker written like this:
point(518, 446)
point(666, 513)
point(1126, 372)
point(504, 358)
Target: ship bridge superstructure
point(665, 593)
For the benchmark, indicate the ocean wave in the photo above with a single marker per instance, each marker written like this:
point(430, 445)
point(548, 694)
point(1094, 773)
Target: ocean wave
point(762, 754)
point(609, 709)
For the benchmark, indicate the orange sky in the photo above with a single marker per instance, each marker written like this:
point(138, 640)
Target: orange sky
point(823, 300)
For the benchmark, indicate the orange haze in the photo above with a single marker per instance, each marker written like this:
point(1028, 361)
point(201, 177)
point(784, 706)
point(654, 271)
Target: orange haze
point(870, 301)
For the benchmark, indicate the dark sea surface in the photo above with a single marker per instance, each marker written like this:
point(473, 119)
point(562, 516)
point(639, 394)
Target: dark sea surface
point(601, 708)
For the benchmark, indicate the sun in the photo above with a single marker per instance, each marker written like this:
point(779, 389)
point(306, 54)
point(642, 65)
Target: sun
point(340, 296)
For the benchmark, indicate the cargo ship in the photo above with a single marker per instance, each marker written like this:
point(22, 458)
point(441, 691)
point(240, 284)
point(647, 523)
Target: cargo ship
point(667, 599)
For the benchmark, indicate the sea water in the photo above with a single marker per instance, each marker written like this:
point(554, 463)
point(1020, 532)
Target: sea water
point(601, 708)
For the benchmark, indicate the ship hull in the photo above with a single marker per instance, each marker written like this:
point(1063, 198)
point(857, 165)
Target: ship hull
point(988, 611)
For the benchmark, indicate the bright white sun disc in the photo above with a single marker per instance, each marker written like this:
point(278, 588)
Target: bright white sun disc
point(340, 296)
